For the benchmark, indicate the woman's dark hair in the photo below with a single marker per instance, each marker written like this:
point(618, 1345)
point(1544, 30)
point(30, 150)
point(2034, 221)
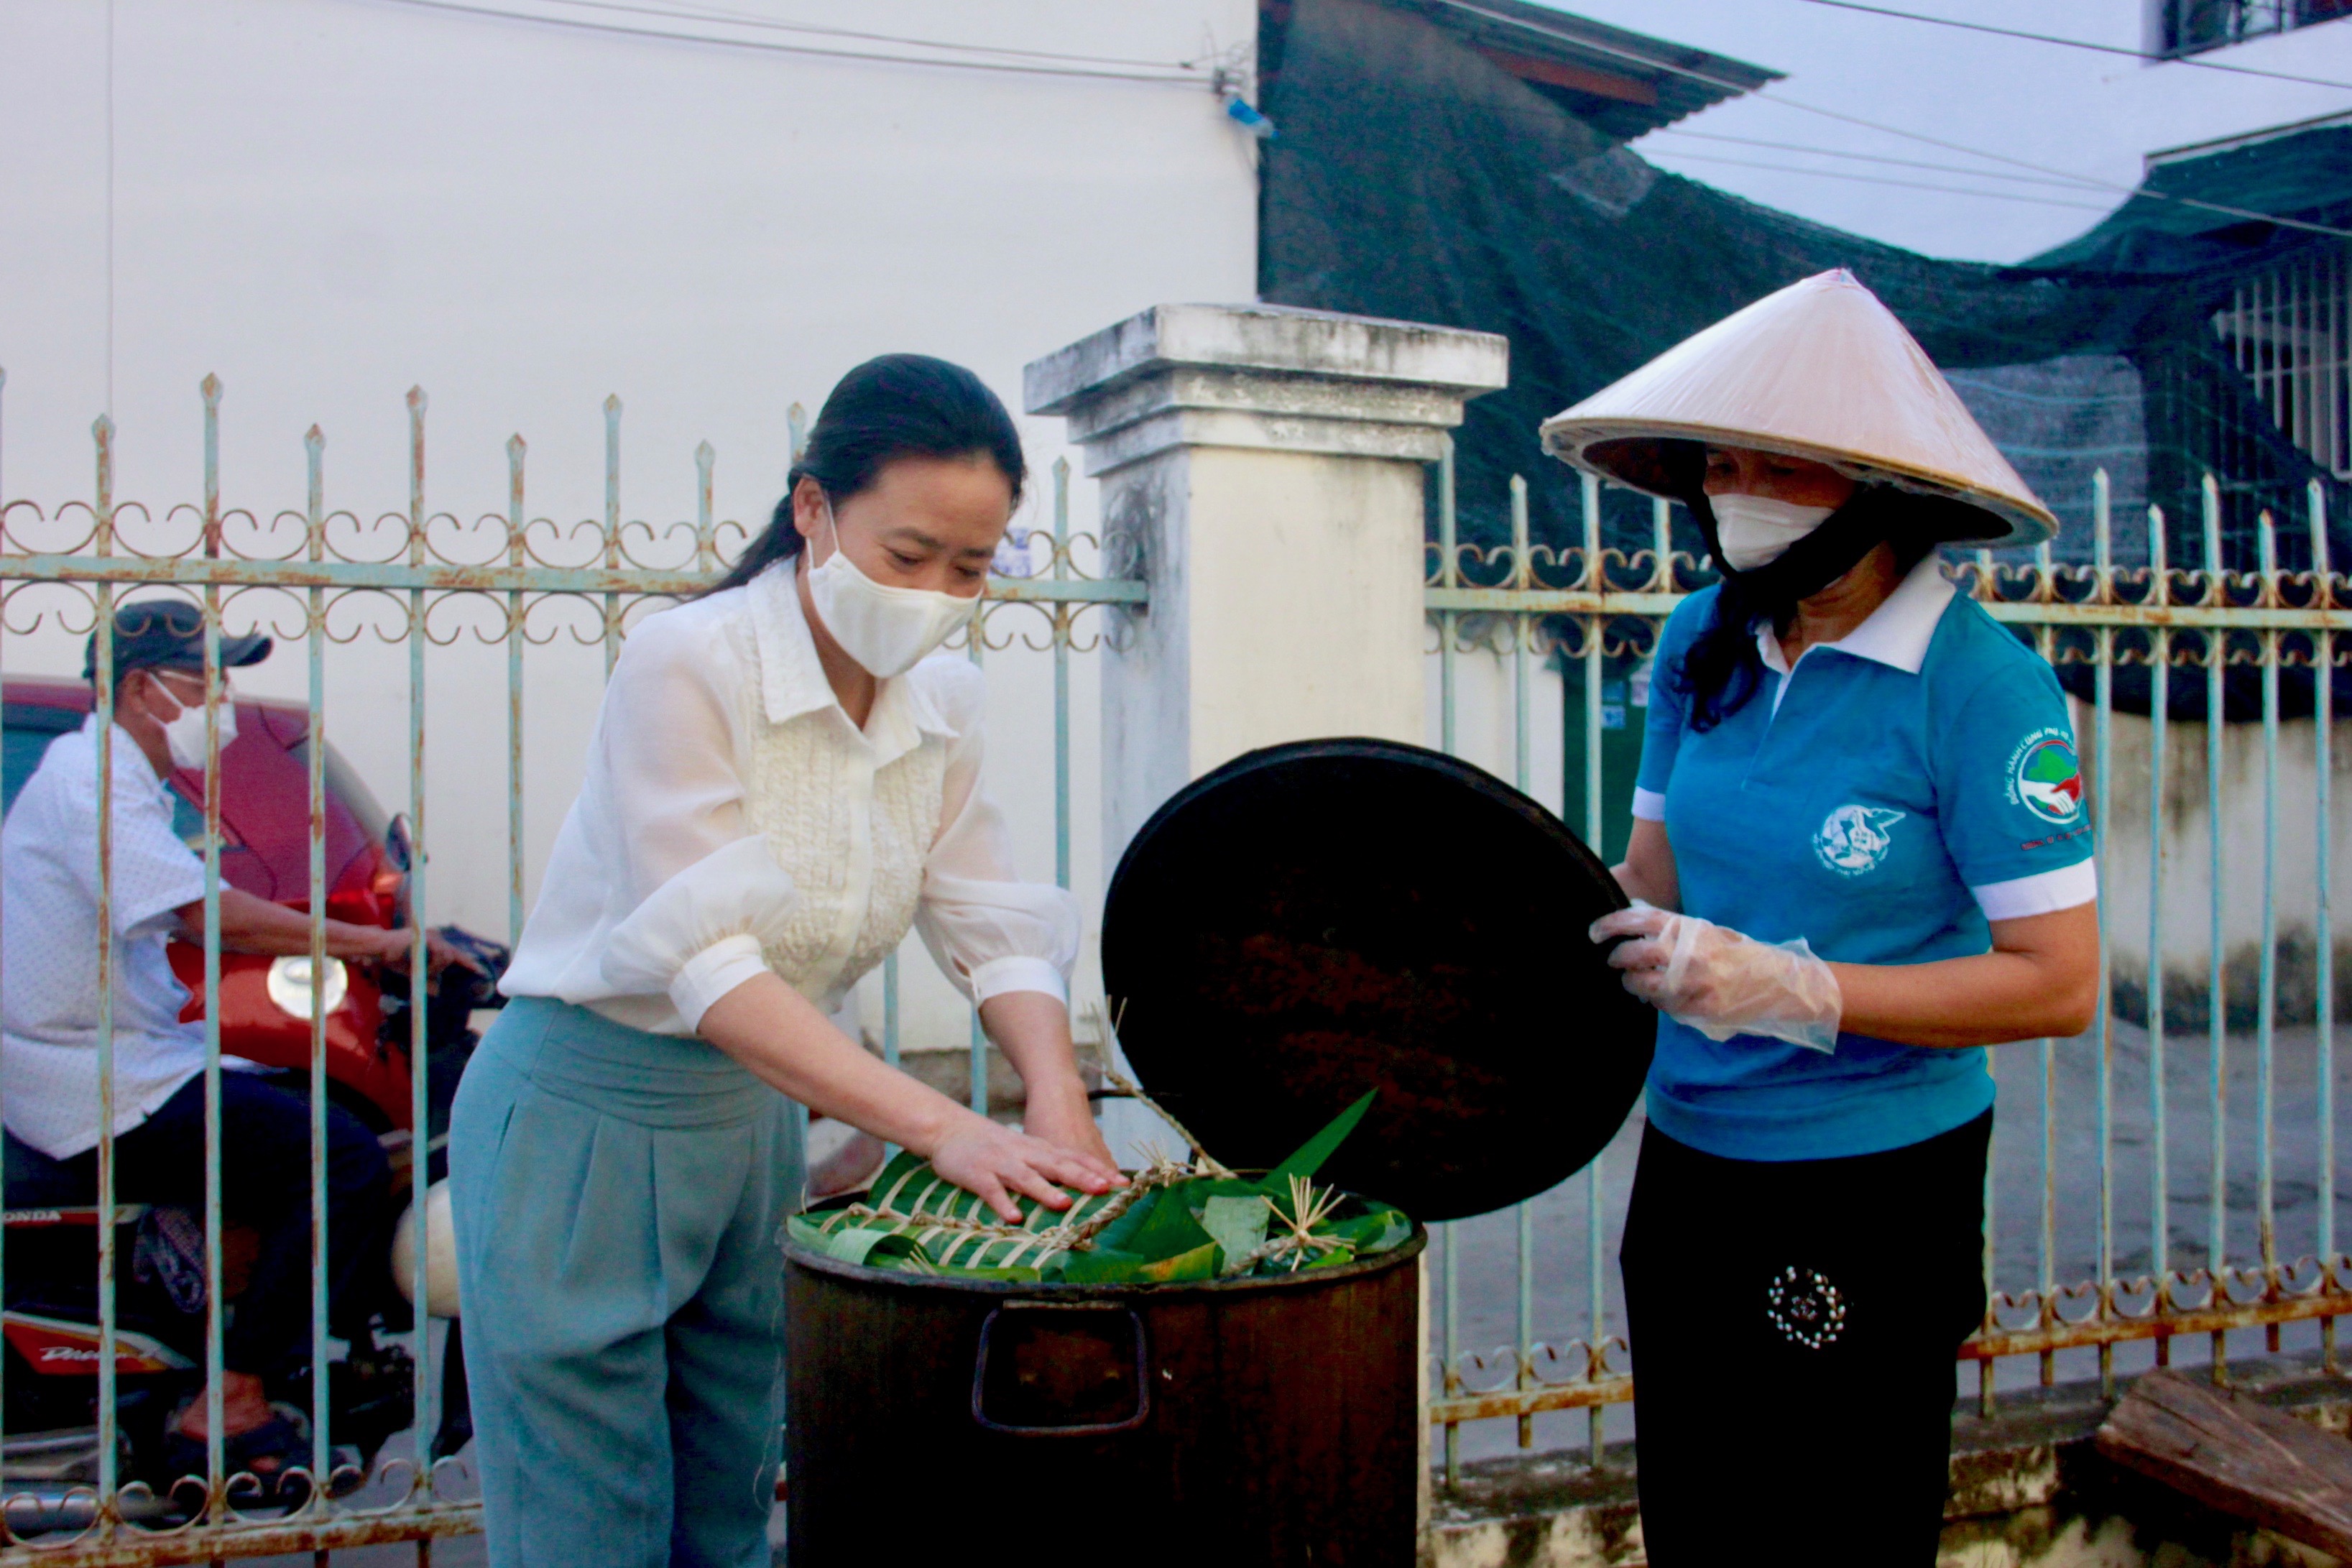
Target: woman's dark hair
point(1721, 669)
point(893, 406)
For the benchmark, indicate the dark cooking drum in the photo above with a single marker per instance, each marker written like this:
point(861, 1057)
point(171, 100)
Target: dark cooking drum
point(1303, 925)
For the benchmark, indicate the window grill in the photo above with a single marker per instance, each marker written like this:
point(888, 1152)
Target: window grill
point(2191, 27)
point(2289, 333)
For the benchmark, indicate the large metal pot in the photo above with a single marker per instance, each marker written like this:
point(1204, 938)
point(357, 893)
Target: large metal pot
point(1242, 1421)
point(1303, 925)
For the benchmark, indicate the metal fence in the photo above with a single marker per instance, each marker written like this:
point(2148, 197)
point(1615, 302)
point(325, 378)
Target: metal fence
point(319, 578)
point(2088, 1249)
point(2127, 1117)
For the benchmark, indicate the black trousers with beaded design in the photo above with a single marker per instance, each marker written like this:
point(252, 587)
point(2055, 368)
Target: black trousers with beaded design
point(1794, 1325)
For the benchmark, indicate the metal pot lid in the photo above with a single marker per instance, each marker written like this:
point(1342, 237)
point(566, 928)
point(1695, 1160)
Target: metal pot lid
point(1314, 919)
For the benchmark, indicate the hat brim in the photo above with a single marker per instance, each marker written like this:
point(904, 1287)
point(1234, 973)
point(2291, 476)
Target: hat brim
point(238, 652)
point(1638, 456)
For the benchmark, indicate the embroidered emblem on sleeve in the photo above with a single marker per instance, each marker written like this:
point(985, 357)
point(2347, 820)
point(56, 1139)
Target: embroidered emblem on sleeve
point(1854, 840)
point(1805, 1307)
point(2046, 778)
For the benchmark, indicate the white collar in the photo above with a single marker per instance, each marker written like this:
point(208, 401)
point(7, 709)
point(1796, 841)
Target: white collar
point(125, 749)
point(793, 682)
point(1896, 634)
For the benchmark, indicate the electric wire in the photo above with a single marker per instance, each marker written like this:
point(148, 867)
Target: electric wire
point(1651, 62)
point(747, 19)
point(1882, 180)
point(2066, 183)
point(1172, 75)
point(2082, 44)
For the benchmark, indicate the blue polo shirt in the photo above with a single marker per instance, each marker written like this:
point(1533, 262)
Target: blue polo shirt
point(1884, 800)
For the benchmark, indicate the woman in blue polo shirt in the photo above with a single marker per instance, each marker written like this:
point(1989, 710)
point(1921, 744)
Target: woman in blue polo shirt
point(1861, 855)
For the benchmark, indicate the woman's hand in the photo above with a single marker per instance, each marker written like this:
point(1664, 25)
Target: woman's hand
point(2041, 980)
point(1723, 984)
point(780, 1036)
point(995, 1162)
point(1060, 1113)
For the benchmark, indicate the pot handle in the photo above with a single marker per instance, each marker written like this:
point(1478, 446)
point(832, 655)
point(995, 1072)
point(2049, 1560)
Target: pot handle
point(1056, 1369)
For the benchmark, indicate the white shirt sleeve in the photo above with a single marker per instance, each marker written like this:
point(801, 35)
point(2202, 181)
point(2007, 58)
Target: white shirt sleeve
point(701, 933)
point(703, 895)
point(990, 931)
point(154, 875)
point(2042, 893)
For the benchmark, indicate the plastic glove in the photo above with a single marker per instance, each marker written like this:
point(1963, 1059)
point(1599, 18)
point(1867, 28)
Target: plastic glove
point(1723, 984)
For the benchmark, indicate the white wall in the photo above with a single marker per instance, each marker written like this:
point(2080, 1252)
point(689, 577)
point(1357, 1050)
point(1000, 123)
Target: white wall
point(2187, 845)
point(328, 201)
point(1485, 714)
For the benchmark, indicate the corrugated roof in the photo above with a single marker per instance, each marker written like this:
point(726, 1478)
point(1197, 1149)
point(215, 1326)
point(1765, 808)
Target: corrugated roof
point(1623, 83)
point(2196, 210)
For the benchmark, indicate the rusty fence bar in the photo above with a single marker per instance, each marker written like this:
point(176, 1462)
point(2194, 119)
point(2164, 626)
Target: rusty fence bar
point(2064, 1273)
point(410, 579)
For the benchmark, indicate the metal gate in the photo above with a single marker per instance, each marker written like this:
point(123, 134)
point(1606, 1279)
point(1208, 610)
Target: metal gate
point(410, 581)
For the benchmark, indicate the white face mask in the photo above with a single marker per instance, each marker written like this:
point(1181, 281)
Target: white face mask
point(183, 733)
point(1755, 530)
point(886, 630)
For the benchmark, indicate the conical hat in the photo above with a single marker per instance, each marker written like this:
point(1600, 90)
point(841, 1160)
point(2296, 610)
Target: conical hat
point(1818, 370)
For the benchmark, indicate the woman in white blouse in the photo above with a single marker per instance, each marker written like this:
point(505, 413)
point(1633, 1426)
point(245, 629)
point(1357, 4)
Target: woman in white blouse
point(778, 785)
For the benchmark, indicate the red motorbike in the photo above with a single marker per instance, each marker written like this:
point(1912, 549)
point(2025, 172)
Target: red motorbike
point(50, 1321)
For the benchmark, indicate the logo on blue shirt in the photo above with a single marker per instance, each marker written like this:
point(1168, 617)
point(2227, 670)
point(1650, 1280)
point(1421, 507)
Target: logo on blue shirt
point(2046, 778)
point(1854, 840)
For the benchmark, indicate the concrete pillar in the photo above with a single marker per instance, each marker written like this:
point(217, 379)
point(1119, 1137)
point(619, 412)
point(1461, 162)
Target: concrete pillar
point(1263, 469)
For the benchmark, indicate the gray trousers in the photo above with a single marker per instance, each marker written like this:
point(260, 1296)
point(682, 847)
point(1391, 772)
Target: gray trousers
point(617, 1197)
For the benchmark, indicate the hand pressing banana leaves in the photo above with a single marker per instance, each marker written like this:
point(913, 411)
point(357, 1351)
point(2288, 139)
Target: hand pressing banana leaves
point(1175, 1221)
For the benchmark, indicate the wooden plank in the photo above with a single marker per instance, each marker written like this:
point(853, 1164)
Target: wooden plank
point(2236, 1455)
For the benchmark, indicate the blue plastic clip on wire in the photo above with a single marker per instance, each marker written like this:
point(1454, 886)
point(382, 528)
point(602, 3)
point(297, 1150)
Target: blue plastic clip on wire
point(1247, 116)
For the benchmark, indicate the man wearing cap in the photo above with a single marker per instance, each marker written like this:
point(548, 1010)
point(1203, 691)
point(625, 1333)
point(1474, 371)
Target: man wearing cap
point(1860, 855)
point(49, 1026)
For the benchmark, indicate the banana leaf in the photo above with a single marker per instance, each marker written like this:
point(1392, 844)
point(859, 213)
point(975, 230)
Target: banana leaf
point(1377, 1231)
point(1170, 1230)
point(935, 1221)
point(1120, 1234)
point(1012, 1276)
point(1100, 1267)
point(873, 1248)
point(1170, 1227)
point(1199, 1263)
point(1237, 1220)
point(1309, 1156)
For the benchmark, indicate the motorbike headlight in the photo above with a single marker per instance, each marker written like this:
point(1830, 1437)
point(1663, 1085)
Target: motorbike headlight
point(291, 981)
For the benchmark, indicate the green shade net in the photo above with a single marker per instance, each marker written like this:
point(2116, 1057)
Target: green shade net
point(1413, 177)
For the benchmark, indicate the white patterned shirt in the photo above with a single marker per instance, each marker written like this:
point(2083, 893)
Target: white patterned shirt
point(48, 947)
point(732, 820)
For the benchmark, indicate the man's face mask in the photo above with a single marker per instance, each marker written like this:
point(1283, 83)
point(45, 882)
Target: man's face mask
point(183, 732)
